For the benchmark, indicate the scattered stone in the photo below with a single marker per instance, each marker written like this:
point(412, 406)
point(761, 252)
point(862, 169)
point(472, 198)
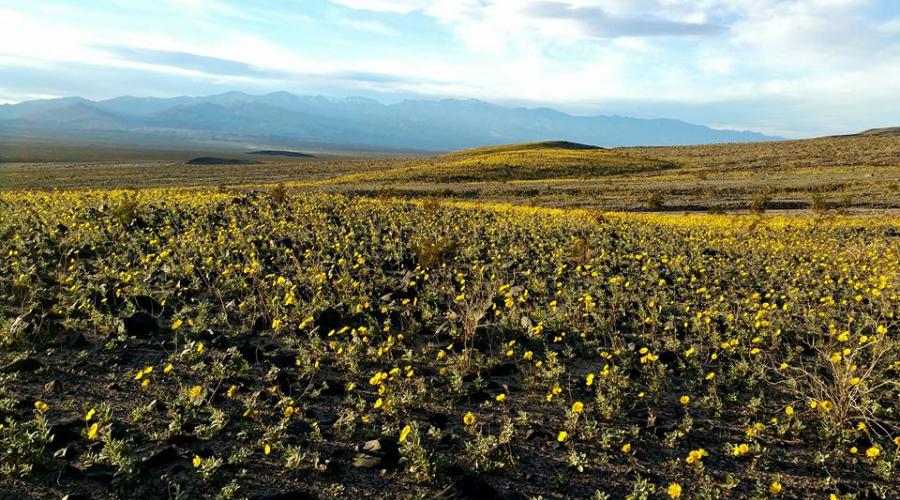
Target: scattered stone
point(668, 358)
point(336, 461)
point(182, 439)
point(22, 365)
point(76, 340)
point(76, 496)
point(329, 319)
point(298, 427)
point(284, 380)
point(86, 252)
point(478, 396)
point(334, 387)
point(120, 430)
point(378, 454)
point(69, 471)
point(177, 468)
point(470, 488)
point(503, 370)
point(438, 420)
point(65, 432)
point(283, 360)
point(255, 350)
point(260, 325)
point(532, 434)
point(25, 403)
point(141, 324)
point(100, 472)
point(163, 457)
point(293, 495)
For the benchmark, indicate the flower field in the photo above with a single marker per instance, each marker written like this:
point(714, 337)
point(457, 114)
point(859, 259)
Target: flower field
point(200, 343)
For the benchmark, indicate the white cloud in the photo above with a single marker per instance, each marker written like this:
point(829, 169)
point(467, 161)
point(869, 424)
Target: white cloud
point(397, 6)
point(369, 26)
point(819, 54)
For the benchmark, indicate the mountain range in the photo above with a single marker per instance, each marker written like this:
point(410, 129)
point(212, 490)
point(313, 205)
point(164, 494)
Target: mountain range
point(282, 118)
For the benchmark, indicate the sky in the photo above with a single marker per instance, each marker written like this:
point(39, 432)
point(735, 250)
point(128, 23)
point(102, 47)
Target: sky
point(796, 68)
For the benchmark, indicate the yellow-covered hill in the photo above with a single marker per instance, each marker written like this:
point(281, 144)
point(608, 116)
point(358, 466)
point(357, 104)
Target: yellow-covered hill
point(528, 161)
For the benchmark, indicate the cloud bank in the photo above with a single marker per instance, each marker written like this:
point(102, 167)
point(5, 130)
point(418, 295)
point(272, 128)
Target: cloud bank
point(790, 67)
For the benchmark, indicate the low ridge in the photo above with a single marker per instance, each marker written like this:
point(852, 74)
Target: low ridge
point(517, 162)
point(882, 131)
point(274, 152)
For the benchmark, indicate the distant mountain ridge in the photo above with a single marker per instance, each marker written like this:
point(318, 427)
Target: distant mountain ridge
point(284, 118)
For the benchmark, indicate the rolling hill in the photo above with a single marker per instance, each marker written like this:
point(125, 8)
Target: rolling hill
point(882, 131)
point(528, 161)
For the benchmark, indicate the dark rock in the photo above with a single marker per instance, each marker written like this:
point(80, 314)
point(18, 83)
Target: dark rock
point(25, 404)
point(329, 319)
point(285, 380)
point(438, 420)
point(470, 488)
point(182, 439)
point(256, 350)
point(76, 496)
point(662, 429)
point(298, 427)
point(668, 358)
point(86, 252)
point(177, 468)
point(283, 360)
point(211, 337)
point(503, 370)
point(259, 325)
point(141, 324)
point(162, 457)
point(120, 430)
point(65, 432)
point(532, 434)
point(476, 397)
point(335, 462)
point(76, 340)
point(641, 413)
point(293, 495)
point(863, 442)
point(378, 454)
point(69, 471)
point(100, 472)
point(22, 365)
point(334, 387)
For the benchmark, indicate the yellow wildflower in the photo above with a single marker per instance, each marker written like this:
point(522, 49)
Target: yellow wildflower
point(674, 490)
point(405, 433)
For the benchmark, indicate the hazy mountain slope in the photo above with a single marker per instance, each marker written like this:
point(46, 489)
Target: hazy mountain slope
point(882, 131)
point(421, 124)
